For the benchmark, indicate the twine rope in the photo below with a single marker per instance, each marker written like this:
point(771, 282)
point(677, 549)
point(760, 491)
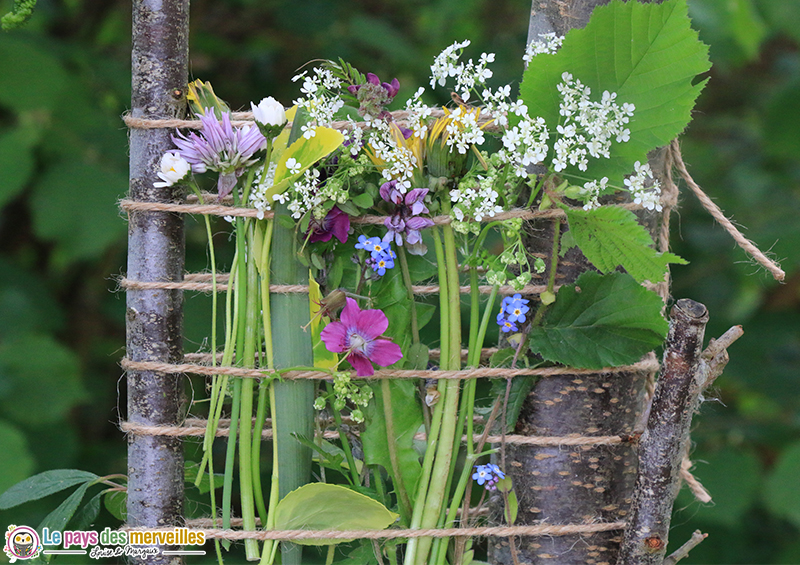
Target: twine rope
point(241, 119)
point(489, 531)
point(193, 282)
point(715, 211)
point(649, 363)
point(570, 440)
point(128, 205)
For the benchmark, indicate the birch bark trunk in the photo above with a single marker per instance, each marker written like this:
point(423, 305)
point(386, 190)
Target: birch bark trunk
point(154, 320)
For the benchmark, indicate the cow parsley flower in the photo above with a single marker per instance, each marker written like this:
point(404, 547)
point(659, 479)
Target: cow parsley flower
point(648, 196)
point(548, 43)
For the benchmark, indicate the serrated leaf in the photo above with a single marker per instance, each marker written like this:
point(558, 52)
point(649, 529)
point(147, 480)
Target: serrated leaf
point(320, 506)
point(43, 484)
point(610, 236)
point(648, 54)
point(600, 321)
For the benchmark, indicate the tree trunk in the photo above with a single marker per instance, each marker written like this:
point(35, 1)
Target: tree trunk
point(583, 484)
point(154, 320)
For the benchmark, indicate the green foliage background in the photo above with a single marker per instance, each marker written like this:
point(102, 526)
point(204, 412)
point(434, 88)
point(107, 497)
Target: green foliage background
point(64, 81)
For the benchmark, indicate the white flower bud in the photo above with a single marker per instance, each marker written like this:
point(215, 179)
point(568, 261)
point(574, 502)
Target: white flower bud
point(174, 168)
point(269, 112)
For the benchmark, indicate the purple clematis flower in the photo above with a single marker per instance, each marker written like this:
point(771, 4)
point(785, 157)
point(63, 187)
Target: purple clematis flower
point(373, 96)
point(405, 223)
point(358, 334)
point(220, 147)
point(335, 223)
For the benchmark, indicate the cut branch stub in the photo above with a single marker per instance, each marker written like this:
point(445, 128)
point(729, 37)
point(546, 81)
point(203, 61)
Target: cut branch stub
point(666, 437)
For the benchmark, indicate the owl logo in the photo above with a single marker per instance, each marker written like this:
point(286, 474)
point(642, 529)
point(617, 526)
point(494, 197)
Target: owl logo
point(22, 543)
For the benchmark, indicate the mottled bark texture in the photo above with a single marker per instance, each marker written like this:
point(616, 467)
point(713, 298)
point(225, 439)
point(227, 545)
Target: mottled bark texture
point(685, 374)
point(585, 484)
point(155, 253)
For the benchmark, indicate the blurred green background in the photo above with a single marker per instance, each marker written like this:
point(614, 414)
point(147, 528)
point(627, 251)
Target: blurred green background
point(65, 81)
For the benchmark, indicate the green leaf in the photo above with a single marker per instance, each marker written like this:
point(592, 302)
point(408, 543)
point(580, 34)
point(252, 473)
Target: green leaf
point(16, 162)
point(328, 454)
point(610, 236)
point(190, 469)
point(116, 502)
point(781, 494)
point(520, 388)
point(14, 448)
point(52, 379)
point(648, 54)
point(86, 516)
point(417, 356)
point(74, 205)
point(58, 518)
point(320, 506)
point(407, 419)
point(43, 484)
point(363, 200)
point(33, 76)
point(600, 321)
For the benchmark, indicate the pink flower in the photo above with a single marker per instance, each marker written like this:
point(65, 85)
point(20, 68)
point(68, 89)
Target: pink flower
point(335, 223)
point(358, 334)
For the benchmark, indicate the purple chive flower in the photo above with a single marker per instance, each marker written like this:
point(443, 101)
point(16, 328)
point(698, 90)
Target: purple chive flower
point(488, 475)
point(335, 223)
point(405, 223)
point(373, 96)
point(516, 308)
point(220, 147)
point(358, 333)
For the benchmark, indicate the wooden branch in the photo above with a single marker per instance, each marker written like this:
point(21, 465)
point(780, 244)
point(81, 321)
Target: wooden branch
point(683, 551)
point(687, 371)
point(154, 317)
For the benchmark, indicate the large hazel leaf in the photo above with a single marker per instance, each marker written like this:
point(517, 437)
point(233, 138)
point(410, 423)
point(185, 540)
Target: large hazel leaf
point(648, 54)
point(600, 321)
point(320, 506)
point(610, 236)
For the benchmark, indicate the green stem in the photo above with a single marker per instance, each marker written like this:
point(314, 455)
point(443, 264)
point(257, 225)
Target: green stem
point(474, 316)
point(230, 455)
point(348, 453)
point(551, 280)
point(444, 302)
point(391, 439)
point(439, 478)
point(401, 254)
point(329, 557)
point(425, 476)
